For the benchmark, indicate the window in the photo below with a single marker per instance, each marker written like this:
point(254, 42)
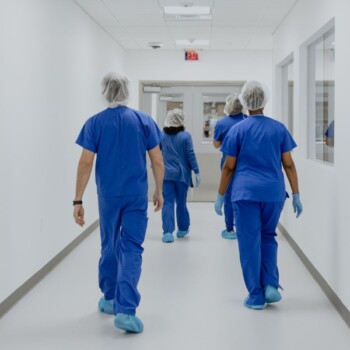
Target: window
point(213, 110)
point(321, 84)
point(287, 93)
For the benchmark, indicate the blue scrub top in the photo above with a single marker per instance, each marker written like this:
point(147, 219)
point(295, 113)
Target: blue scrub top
point(222, 128)
point(330, 130)
point(179, 157)
point(120, 137)
point(258, 143)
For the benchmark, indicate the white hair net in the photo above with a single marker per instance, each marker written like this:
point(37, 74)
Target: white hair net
point(254, 95)
point(115, 89)
point(233, 105)
point(174, 118)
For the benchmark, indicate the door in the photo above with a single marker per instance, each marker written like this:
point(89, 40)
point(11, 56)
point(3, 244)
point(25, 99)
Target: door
point(203, 105)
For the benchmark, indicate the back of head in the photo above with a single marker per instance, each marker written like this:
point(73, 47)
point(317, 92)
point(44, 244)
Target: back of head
point(233, 105)
point(175, 118)
point(115, 89)
point(254, 95)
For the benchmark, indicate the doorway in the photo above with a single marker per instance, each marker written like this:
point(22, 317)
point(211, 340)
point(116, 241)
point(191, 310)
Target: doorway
point(203, 104)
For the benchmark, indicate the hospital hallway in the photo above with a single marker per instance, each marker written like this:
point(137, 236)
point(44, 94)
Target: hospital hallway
point(192, 298)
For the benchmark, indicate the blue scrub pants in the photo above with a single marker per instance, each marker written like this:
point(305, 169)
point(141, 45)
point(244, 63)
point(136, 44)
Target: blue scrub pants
point(256, 224)
point(123, 223)
point(228, 210)
point(175, 191)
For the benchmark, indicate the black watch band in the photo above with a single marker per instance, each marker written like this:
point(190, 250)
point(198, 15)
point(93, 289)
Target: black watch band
point(77, 202)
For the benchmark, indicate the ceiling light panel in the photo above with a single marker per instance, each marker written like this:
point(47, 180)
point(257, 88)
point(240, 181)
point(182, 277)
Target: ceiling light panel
point(187, 11)
point(170, 3)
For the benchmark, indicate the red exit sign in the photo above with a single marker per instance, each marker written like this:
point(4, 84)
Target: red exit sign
point(191, 55)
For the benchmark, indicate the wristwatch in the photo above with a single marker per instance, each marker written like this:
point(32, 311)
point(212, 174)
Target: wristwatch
point(77, 202)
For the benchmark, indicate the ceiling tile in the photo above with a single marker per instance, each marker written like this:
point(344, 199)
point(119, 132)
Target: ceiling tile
point(129, 44)
point(119, 33)
point(284, 3)
point(190, 32)
point(131, 4)
point(235, 24)
point(260, 42)
point(88, 3)
point(240, 3)
point(140, 19)
point(149, 33)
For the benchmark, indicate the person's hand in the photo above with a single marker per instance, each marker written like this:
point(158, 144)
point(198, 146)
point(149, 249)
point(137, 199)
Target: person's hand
point(297, 206)
point(78, 214)
point(198, 179)
point(219, 202)
point(158, 201)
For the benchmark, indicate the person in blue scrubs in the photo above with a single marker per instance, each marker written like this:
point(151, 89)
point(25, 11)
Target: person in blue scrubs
point(179, 162)
point(257, 148)
point(120, 137)
point(234, 109)
point(329, 134)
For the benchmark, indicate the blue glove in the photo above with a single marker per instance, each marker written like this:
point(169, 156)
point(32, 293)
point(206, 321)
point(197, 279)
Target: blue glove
point(198, 179)
point(297, 206)
point(219, 202)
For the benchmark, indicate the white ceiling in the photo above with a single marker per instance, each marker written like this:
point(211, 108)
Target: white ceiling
point(235, 24)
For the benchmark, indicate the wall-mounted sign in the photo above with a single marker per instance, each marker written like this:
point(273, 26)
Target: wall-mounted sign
point(191, 55)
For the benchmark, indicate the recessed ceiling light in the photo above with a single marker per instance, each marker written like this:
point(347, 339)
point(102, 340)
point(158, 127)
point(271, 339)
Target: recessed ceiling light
point(187, 10)
point(192, 42)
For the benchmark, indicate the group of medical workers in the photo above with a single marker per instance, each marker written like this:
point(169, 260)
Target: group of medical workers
point(252, 191)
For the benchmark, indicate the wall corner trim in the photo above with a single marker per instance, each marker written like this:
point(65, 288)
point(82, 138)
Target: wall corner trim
point(21, 291)
point(331, 295)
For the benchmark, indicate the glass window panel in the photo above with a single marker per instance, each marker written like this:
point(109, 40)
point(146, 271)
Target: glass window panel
point(290, 104)
point(287, 94)
point(321, 84)
point(213, 110)
point(167, 103)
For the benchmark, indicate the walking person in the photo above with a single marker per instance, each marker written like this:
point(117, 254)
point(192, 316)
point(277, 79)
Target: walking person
point(257, 148)
point(179, 162)
point(233, 109)
point(120, 137)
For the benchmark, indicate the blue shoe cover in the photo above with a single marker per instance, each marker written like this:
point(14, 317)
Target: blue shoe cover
point(254, 307)
point(229, 234)
point(168, 237)
point(181, 234)
point(272, 295)
point(129, 323)
point(106, 306)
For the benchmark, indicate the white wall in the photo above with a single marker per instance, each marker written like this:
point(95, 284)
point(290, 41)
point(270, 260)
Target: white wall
point(52, 59)
point(212, 66)
point(322, 231)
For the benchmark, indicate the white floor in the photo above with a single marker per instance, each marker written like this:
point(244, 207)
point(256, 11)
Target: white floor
point(192, 295)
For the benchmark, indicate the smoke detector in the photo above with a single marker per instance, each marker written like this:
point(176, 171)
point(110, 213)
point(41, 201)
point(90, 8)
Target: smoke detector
point(155, 45)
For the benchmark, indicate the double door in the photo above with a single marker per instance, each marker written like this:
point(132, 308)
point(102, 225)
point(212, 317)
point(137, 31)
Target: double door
point(203, 105)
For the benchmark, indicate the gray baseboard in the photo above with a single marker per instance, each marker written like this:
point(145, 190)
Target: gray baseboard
point(11, 300)
point(331, 295)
